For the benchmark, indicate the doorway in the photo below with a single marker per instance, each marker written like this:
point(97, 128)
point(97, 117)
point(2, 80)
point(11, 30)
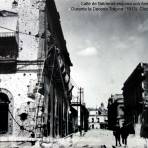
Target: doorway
point(4, 108)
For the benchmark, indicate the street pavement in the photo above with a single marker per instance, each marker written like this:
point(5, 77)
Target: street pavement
point(96, 138)
point(99, 138)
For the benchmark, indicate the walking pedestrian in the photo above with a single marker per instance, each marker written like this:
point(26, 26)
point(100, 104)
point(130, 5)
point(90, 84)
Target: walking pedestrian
point(124, 133)
point(116, 133)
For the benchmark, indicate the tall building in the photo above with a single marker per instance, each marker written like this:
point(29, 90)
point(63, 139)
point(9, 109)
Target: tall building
point(135, 92)
point(16, 72)
point(55, 82)
point(37, 75)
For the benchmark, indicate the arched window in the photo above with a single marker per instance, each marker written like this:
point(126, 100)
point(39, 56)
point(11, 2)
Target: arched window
point(4, 108)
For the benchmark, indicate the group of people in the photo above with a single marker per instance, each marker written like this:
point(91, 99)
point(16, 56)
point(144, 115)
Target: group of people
point(121, 132)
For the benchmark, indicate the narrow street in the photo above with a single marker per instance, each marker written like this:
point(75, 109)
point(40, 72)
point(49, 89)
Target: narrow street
point(69, 66)
point(99, 138)
point(96, 138)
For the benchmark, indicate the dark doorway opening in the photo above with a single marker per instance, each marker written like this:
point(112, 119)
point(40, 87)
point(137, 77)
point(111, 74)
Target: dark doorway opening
point(4, 108)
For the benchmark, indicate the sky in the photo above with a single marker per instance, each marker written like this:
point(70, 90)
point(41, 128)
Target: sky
point(105, 47)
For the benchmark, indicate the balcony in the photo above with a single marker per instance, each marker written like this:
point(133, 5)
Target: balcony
point(7, 34)
point(8, 52)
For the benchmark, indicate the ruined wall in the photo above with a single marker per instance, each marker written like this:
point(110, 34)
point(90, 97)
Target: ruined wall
point(18, 84)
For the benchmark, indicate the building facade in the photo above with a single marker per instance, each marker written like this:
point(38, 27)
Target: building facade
point(8, 56)
point(36, 77)
point(135, 92)
point(97, 118)
point(94, 120)
point(16, 72)
point(73, 120)
point(115, 111)
point(82, 118)
point(55, 77)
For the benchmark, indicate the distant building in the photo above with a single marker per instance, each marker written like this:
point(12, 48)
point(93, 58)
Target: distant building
point(94, 120)
point(115, 110)
point(82, 117)
point(73, 120)
point(97, 118)
point(135, 92)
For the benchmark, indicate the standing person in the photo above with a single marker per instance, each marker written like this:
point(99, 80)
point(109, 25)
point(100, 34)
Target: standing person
point(116, 133)
point(124, 133)
point(80, 130)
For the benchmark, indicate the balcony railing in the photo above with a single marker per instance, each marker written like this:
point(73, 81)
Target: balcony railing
point(7, 34)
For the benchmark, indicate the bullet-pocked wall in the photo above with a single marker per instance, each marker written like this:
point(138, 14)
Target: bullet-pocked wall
point(36, 42)
point(28, 12)
point(19, 82)
point(6, 108)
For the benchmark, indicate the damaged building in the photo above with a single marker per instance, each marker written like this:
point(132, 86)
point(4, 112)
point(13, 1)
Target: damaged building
point(55, 83)
point(8, 56)
point(37, 77)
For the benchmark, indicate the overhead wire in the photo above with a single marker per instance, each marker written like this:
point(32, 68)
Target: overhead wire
point(29, 34)
point(22, 127)
point(37, 36)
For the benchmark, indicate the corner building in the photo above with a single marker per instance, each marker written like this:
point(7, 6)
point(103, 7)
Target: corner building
point(40, 75)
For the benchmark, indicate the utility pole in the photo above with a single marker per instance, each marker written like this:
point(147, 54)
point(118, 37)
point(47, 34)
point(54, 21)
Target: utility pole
point(80, 94)
point(81, 117)
point(77, 102)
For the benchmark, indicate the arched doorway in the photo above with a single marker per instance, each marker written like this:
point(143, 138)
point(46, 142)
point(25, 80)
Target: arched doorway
point(6, 111)
point(4, 108)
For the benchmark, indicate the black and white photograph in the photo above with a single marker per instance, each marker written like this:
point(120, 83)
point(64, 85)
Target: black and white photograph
point(73, 73)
